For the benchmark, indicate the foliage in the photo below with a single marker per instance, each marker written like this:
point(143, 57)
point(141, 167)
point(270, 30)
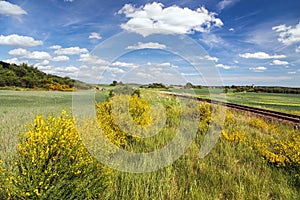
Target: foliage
point(138, 111)
point(54, 164)
point(157, 85)
point(264, 89)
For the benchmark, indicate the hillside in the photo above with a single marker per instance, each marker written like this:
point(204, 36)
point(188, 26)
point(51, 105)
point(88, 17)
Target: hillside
point(25, 76)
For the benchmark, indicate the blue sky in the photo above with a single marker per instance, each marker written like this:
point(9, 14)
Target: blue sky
point(200, 41)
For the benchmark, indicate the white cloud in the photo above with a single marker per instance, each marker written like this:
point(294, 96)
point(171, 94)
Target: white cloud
point(297, 49)
point(18, 52)
point(207, 57)
point(287, 34)
point(45, 69)
point(189, 74)
point(35, 55)
point(124, 64)
point(106, 69)
point(231, 29)
point(68, 1)
point(155, 19)
point(60, 58)
point(42, 64)
point(261, 55)
point(68, 69)
point(15, 61)
point(213, 40)
point(226, 66)
point(292, 72)
point(279, 62)
point(149, 45)
point(38, 55)
point(10, 9)
point(95, 35)
point(91, 59)
point(114, 70)
point(55, 47)
point(71, 51)
point(18, 40)
point(258, 69)
point(225, 3)
point(45, 62)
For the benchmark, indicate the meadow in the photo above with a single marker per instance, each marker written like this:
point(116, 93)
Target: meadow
point(288, 103)
point(253, 158)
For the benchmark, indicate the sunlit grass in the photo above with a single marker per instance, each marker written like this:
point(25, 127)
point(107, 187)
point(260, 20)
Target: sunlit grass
point(232, 170)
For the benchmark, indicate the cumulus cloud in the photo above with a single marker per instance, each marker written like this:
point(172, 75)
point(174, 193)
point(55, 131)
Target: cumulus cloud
point(287, 34)
point(60, 58)
point(95, 35)
point(55, 47)
point(207, 57)
point(18, 40)
point(149, 45)
point(44, 63)
point(279, 62)
point(9, 9)
point(154, 18)
point(18, 52)
point(261, 55)
point(258, 69)
point(225, 66)
point(124, 64)
point(70, 51)
point(15, 61)
point(106, 69)
point(92, 60)
point(67, 69)
point(297, 49)
point(35, 55)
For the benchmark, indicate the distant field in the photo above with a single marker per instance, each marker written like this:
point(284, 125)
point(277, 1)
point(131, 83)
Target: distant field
point(288, 103)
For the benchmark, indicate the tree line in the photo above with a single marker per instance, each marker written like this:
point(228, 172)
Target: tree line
point(265, 89)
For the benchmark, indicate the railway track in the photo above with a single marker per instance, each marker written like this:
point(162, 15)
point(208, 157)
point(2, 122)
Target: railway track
point(270, 114)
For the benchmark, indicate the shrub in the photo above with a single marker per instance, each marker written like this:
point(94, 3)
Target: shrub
point(53, 163)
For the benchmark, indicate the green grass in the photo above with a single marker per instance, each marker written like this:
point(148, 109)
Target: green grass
point(229, 171)
point(289, 103)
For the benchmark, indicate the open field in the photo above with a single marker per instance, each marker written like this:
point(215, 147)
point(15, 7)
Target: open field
point(288, 103)
point(242, 165)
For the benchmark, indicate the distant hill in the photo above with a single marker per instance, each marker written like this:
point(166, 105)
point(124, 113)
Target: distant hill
point(25, 76)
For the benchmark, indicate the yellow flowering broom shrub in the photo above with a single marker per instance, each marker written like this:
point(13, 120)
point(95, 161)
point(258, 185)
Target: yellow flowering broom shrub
point(53, 163)
point(279, 146)
point(120, 125)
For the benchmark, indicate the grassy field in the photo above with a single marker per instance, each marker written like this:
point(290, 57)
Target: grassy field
point(235, 169)
point(288, 103)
